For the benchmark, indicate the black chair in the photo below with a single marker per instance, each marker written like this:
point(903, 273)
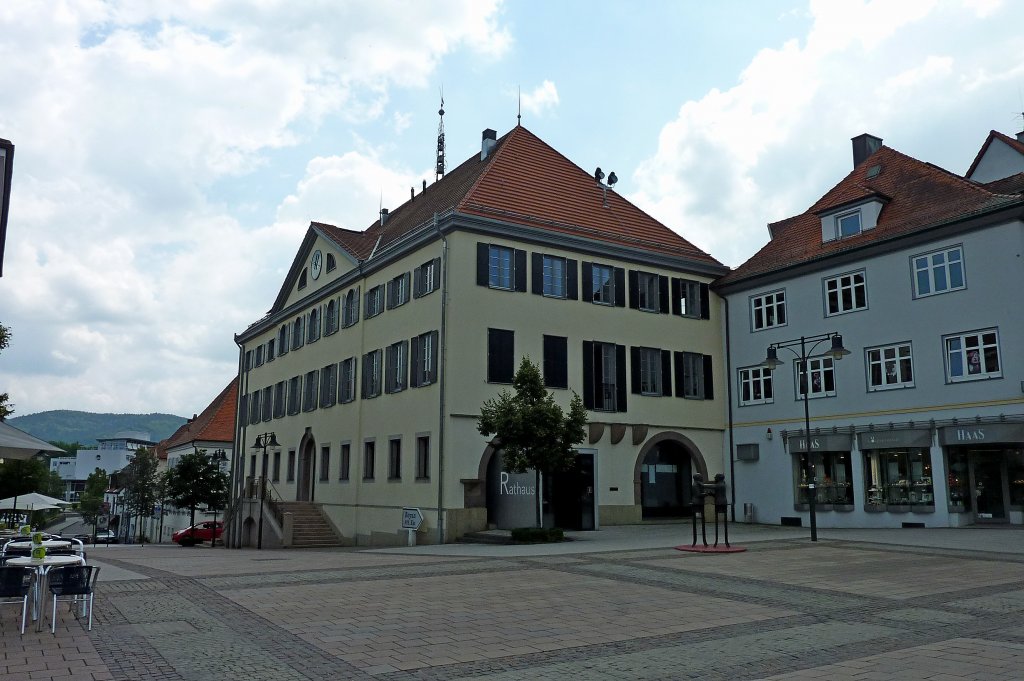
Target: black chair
point(15, 583)
point(73, 583)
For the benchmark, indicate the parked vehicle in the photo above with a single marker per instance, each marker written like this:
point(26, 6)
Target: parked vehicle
point(205, 531)
point(105, 537)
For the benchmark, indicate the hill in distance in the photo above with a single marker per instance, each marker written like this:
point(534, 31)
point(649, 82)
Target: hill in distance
point(64, 425)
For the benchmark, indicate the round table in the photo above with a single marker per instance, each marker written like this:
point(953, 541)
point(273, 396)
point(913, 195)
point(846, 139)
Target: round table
point(41, 568)
point(48, 543)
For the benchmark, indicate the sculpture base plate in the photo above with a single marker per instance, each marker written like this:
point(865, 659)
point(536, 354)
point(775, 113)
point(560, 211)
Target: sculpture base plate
point(721, 548)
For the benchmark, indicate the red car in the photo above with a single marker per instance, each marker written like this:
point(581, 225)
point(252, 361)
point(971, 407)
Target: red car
point(198, 533)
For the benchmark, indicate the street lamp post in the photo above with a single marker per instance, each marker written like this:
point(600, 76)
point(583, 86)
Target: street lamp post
point(262, 442)
point(218, 457)
point(771, 362)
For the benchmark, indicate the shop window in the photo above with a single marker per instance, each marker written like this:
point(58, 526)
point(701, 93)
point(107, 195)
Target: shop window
point(846, 293)
point(959, 481)
point(971, 356)
point(891, 366)
point(938, 272)
point(898, 479)
point(832, 477)
point(1015, 471)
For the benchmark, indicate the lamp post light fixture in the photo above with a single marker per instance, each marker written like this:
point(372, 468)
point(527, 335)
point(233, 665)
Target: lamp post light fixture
point(262, 442)
point(218, 457)
point(836, 351)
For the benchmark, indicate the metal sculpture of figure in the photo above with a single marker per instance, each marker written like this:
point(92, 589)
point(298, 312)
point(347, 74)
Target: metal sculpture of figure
point(721, 506)
point(697, 495)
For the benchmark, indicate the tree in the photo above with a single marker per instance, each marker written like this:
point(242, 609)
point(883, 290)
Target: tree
point(22, 476)
point(532, 429)
point(197, 480)
point(90, 502)
point(6, 408)
point(140, 484)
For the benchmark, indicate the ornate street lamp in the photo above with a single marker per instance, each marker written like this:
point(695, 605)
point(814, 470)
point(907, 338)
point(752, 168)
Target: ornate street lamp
point(262, 442)
point(218, 457)
point(771, 362)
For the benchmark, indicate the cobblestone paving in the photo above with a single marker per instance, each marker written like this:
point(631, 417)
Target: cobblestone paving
point(786, 610)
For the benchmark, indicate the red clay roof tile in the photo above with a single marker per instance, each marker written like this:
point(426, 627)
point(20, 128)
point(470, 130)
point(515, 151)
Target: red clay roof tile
point(216, 423)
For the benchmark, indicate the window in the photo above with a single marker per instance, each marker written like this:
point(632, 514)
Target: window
point(890, 366)
point(648, 292)
point(268, 404)
point(291, 466)
point(328, 385)
point(938, 272)
point(374, 301)
point(971, 356)
point(309, 395)
point(396, 367)
point(394, 460)
point(369, 460)
point(294, 395)
point(424, 359)
point(313, 328)
point(347, 385)
point(556, 364)
point(331, 263)
point(350, 308)
point(756, 386)
point(248, 360)
point(768, 310)
point(846, 293)
point(604, 284)
point(282, 340)
point(254, 408)
point(259, 355)
point(279, 402)
point(823, 380)
point(270, 350)
point(276, 470)
point(325, 464)
point(303, 279)
point(297, 337)
point(426, 278)
point(252, 465)
point(423, 457)
point(500, 267)
point(848, 224)
point(555, 277)
point(398, 291)
point(649, 366)
point(691, 299)
point(344, 461)
point(371, 373)
point(604, 376)
point(500, 359)
point(331, 317)
point(833, 474)
point(694, 378)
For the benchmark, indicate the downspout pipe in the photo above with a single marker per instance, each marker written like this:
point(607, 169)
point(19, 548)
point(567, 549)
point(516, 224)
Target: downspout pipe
point(728, 397)
point(442, 375)
point(238, 453)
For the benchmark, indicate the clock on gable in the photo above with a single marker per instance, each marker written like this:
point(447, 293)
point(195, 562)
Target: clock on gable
point(316, 263)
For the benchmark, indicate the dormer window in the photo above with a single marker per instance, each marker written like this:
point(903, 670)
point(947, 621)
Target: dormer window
point(848, 224)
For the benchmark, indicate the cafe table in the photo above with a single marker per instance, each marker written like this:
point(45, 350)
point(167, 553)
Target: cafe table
point(47, 543)
point(41, 568)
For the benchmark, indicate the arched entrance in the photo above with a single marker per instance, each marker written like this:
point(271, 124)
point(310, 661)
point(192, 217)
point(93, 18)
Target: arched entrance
point(665, 469)
point(304, 476)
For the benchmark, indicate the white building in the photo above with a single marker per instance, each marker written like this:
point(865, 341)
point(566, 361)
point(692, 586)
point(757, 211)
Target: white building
point(113, 454)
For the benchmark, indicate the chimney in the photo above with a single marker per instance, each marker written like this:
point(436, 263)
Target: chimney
point(412, 193)
point(489, 139)
point(424, 185)
point(383, 216)
point(863, 146)
point(1020, 136)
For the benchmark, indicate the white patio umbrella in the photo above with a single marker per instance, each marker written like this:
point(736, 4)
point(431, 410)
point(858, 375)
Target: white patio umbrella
point(33, 501)
point(17, 444)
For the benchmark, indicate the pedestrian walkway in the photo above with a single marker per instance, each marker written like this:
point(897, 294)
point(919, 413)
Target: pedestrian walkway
point(620, 603)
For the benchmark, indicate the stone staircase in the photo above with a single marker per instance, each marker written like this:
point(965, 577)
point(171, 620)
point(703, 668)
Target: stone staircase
point(309, 527)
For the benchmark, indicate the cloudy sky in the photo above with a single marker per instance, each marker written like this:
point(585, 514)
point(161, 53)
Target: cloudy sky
point(170, 155)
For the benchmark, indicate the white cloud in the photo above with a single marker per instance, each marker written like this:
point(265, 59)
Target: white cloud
point(540, 99)
point(769, 146)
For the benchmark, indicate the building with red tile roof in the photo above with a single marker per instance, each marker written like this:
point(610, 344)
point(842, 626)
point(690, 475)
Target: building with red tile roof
point(907, 266)
point(373, 362)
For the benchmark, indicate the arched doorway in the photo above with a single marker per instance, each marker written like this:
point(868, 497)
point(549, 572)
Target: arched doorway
point(665, 469)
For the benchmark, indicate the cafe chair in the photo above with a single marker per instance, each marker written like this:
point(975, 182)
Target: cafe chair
point(15, 585)
point(73, 583)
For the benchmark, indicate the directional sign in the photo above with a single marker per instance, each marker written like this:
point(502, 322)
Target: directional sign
point(412, 518)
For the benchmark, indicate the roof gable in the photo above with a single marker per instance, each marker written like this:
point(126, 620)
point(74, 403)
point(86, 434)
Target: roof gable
point(996, 144)
point(216, 423)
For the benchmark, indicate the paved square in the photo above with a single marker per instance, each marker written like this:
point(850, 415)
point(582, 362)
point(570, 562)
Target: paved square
point(617, 604)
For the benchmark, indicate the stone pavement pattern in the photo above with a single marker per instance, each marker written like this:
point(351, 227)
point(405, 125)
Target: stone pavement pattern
point(785, 610)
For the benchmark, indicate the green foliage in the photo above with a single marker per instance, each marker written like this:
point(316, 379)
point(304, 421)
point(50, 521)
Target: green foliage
point(531, 428)
point(21, 476)
point(54, 485)
point(71, 448)
point(537, 535)
point(139, 479)
point(90, 503)
point(196, 481)
point(81, 426)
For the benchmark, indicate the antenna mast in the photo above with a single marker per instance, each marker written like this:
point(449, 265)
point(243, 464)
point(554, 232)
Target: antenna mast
point(519, 106)
point(441, 165)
